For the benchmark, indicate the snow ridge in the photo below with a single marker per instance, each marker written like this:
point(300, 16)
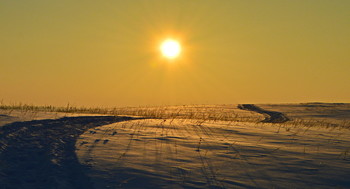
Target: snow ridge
point(41, 153)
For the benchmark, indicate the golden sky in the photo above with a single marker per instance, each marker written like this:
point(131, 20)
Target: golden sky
point(106, 53)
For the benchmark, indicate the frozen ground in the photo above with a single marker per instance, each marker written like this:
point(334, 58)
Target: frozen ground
point(123, 152)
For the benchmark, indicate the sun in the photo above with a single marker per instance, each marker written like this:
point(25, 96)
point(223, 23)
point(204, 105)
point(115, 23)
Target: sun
point(170, 48)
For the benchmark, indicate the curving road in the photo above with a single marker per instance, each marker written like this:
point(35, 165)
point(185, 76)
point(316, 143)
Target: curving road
point(270, 116)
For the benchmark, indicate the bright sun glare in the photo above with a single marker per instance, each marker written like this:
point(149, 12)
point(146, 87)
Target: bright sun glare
point(170, 48)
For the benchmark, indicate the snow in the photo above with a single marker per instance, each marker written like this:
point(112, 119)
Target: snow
point(40, 153)
point(321, 112)
point(11, 116)
point(183, 154)
point(60, 150)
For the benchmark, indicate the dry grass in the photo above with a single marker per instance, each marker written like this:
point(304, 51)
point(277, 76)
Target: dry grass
point(200, 113)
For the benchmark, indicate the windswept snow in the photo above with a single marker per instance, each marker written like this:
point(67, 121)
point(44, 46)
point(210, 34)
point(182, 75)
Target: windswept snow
point(190, 154)
point(338, 113)
point(40, 153)
point(59, 150)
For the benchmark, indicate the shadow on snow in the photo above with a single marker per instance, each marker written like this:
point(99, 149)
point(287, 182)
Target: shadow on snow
point(41, 153)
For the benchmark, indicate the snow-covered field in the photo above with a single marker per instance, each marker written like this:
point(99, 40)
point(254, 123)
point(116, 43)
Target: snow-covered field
point(331, 113)
point(90, 151)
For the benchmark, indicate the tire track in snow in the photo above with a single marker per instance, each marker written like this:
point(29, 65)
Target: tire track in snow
point(270, 116)
point(41, 153)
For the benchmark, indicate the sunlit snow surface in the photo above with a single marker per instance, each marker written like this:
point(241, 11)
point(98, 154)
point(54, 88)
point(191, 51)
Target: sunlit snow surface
point(311, 151)
point(338, 113)
point(192, 154)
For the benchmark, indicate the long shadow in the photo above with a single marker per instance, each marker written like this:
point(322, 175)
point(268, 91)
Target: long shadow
point(270, 116)
point(41, 153)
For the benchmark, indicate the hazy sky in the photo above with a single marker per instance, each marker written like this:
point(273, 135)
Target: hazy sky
point(105, 53)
